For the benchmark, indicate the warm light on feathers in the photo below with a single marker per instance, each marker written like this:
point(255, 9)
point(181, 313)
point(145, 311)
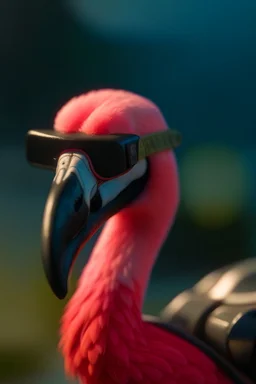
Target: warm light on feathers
point(103, 337)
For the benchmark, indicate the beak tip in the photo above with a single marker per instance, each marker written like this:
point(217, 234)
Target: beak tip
point(56, 280)
point(59, 288)
point(61, 294)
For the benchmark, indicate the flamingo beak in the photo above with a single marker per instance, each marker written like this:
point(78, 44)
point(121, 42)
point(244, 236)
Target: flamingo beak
point(65, 218)
point(75, 209)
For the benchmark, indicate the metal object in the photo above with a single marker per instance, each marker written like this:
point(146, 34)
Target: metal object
point(221, 310)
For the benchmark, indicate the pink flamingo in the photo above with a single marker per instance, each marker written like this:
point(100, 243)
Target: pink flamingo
point(104, 339)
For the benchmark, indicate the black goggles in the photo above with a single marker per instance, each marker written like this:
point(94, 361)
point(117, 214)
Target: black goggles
point(109, 155)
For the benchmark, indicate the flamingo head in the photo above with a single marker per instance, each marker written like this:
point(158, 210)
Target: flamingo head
point(77, 206)
point(80, 201)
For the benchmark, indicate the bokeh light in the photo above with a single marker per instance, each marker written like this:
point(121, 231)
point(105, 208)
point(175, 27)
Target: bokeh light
point(216, 185)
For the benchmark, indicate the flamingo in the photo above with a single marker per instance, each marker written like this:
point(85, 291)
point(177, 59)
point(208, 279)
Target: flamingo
point(104, 339)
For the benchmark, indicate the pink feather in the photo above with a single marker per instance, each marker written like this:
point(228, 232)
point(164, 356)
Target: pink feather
point(103, 337)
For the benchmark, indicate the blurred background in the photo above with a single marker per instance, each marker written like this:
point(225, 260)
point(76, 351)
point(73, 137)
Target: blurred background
point(196, 59)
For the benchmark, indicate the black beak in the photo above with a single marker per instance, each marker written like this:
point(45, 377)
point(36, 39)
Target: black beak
point(65, 216)
point(73, 213)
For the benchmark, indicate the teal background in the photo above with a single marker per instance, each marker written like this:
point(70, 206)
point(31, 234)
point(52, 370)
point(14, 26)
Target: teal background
point(197, 61)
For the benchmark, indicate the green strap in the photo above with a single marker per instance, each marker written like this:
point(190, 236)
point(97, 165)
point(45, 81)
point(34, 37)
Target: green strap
point(158, 142)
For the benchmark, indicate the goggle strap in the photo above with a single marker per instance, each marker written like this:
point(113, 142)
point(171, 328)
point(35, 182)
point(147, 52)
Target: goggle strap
point(158, 142)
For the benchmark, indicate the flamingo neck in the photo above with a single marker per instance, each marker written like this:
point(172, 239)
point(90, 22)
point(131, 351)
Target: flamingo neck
point(124, 255)
point(106, 307)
